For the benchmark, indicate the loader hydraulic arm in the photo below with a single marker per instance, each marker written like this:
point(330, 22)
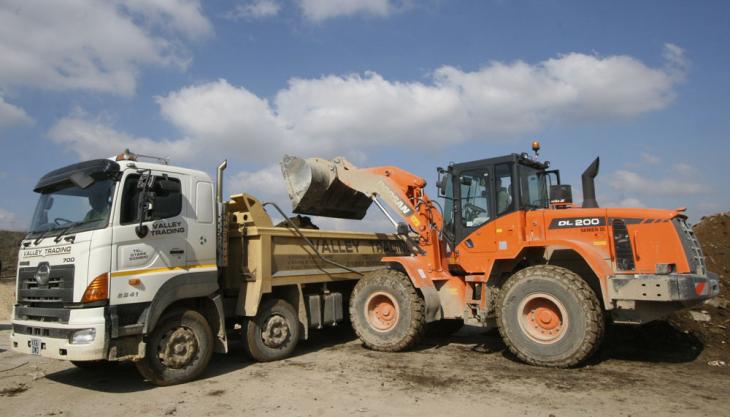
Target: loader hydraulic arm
point(337, 188)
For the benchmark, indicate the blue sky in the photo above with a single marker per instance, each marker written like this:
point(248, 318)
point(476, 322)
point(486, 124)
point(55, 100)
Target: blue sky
point(409, 83)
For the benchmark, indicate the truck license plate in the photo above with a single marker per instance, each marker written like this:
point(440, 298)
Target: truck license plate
point(35, 346)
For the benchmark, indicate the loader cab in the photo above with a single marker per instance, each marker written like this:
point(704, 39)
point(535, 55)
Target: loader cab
point(478, 192)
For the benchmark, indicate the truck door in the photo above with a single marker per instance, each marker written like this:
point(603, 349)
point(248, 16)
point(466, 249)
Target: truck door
point(141, 265)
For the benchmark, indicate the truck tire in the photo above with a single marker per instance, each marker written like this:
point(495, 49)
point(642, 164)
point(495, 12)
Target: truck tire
point(444, 327)
point(549, 316)
point(387, 312)
point(178, 349)
point(273, 334)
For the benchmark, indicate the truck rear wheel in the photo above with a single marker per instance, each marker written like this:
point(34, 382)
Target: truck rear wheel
point(549, 316)
point(178, 349)
point(273, 334)
point(387, 312)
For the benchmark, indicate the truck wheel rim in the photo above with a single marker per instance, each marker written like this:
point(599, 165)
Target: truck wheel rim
point(543, 318)
point(381, 311)
point(275, 331)
point(178, 348)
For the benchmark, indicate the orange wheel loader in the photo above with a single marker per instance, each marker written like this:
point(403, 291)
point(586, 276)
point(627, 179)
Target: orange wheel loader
point(507, 245)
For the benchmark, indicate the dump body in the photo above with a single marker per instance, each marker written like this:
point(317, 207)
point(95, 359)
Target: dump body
point(262, 257)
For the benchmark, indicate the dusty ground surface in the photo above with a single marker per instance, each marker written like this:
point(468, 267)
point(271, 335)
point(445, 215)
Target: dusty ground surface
point(7, 298)
point(333, 375)
point(675, 368)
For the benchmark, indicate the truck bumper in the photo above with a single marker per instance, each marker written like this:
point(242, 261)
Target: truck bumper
point(54, 339)
point(685, 288)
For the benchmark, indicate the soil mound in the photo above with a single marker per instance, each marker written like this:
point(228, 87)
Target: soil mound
point(710, 322)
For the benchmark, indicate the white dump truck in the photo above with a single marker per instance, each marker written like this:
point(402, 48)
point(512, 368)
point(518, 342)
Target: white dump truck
point(130, 260)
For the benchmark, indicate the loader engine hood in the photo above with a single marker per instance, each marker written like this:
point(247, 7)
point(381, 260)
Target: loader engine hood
point(644, 241)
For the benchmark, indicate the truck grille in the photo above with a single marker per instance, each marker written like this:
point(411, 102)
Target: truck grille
point(45, 302)
point(691, 245)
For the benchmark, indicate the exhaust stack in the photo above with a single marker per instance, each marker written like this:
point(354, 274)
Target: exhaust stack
point(589, 184)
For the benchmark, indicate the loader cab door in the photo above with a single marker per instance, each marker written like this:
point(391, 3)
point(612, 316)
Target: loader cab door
point(476, 194)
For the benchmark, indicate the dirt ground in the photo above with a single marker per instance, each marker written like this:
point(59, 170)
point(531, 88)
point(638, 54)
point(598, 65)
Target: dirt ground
point(674, 368)
point(333, 375)
point(7, 298)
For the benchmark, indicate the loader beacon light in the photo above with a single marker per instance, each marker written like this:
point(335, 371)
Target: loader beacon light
point(536, 147)
point(98, 290)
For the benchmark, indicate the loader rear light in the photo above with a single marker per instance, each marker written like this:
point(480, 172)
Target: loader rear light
point(98, 290)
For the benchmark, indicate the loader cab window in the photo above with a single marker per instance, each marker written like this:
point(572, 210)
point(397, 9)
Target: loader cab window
point(533, 188)
point(503, 188)
point(448, 194)
point(474, 198)
point(167, 199)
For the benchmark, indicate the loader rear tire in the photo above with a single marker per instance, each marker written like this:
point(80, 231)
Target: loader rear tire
point(386, 311)
point(549, 316)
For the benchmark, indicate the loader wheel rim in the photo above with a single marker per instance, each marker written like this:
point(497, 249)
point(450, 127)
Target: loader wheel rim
point(382, 311)
point(543, 318)
point(178, 348)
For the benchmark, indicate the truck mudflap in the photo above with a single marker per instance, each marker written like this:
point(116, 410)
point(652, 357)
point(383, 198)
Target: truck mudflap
point(685, 288)
point(53, 340)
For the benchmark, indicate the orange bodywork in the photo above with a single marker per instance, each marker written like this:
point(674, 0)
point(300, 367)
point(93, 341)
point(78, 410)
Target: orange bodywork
point(506, 239)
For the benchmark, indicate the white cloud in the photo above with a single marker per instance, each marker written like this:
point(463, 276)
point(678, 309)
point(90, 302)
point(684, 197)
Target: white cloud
point(91, 138)
point(93, 45)
point(256, 9)
point(319, 10)
point(11, 115)
point(10, 221)
point(266, 184)
point(630, 182)
point(650, 159)
point(351, 113)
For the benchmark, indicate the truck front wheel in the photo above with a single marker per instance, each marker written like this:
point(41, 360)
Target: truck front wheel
point(387, 312)
point(549, 316)
point(273, 333)
point(178, 349)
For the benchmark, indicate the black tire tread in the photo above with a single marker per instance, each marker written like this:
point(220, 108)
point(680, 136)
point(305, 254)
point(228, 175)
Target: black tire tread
point(416, 305)
point(595, 322)
point(144, 368)
point(248, 330)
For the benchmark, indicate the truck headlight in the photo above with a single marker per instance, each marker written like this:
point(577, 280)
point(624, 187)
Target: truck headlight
point(83, 337)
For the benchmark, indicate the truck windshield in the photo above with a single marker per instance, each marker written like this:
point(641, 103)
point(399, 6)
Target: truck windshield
point(73, 209)
point(533, 188)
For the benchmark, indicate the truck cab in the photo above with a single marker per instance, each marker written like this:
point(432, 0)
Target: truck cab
point(106, 237)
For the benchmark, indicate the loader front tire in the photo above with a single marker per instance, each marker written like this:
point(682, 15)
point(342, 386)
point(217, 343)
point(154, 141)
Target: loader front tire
point(386, 311)
point(549, 316)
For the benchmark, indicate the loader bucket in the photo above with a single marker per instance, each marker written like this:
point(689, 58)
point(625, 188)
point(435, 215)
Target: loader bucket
point(314, 189)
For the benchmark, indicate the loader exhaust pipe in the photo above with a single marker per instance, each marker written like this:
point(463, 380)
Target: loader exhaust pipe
point(589, 184)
